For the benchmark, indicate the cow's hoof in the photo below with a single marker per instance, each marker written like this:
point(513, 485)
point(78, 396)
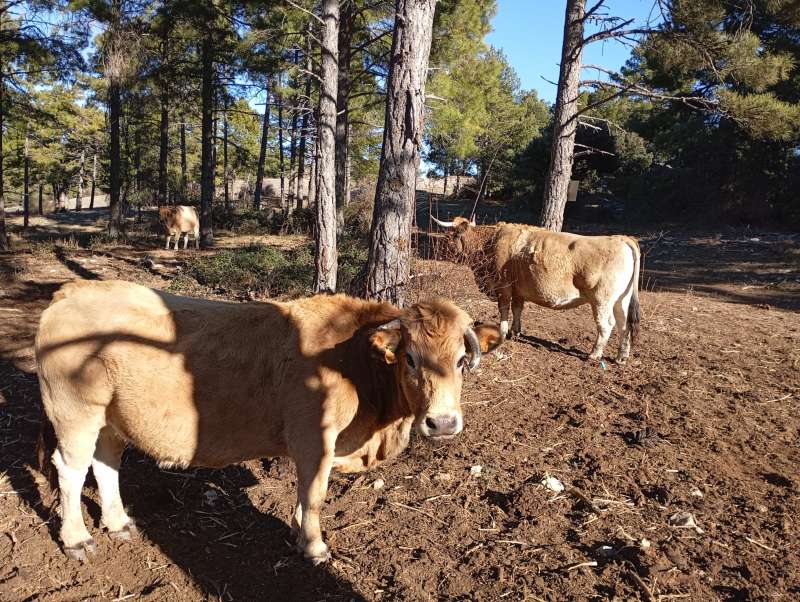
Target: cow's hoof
point(316, 553)
point(622, 361)
point(79, 551)
point(127, 533)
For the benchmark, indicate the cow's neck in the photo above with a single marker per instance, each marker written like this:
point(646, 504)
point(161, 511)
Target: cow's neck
point(382, 424)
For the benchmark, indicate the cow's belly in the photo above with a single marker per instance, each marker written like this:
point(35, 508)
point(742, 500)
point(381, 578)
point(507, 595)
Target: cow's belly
point(177, 425)
point(553, 296)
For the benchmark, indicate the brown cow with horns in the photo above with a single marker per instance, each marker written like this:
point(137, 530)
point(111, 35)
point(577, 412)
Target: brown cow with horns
point(514, 263)
point(331, 381)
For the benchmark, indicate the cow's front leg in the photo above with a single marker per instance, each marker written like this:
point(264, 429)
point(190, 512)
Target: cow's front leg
point(504, 303)
point(517, 304)
point(169, 236)
point(312, 487)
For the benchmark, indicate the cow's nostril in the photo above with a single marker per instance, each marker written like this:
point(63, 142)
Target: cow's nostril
point(431, 423)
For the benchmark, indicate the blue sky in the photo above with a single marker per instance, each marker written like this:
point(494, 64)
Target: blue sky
point(530, 31)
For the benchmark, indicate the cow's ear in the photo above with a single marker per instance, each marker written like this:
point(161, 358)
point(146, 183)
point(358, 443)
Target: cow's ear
point(489, 336)
point(385, 341)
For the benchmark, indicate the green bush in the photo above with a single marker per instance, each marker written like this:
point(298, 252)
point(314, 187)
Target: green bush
point(255, 269)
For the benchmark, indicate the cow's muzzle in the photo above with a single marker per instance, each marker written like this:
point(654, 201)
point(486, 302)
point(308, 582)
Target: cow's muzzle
point(441, 426)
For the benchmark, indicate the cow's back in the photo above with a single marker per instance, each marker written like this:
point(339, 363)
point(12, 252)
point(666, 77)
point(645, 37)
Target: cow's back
point(557, 269)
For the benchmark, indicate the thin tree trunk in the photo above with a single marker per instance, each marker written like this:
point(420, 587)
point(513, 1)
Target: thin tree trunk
point(163, 149)
point(4, 242)
point(312, 178)
point(79, 196)
point(94, 181)
point(280, 144)
point(207, 145)
point(293, 140)
point(390, 238)
point(115, 204)
point(458, 180)
point(41, 198)
point(26, 196)
point(262, 153)
point(184, 166)
point(446, 175)
point(565, 122)
point(342, 114)
point(301, 169)
point(325, 257)
point(225, 174)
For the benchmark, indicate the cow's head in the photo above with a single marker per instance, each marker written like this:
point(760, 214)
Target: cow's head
point(461, 239)
point(430, 347)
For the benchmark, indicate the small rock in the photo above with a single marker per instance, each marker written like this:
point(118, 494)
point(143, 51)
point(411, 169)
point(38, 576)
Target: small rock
point(762, 508)
point(476, 470)
point(645, 544)
point(443, 477)
point(378, 484)
point(695, 492)
point(684, 520)
point(553, 484)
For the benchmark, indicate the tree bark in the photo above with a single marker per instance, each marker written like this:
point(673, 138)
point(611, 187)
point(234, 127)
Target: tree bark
point(163, 149)
point(207, 167)
point(262, 153)
point(4, 242)
point(342, 106)
point(326, 257)
point(94, 181)
point(79, 196)
point(390, 238)
point(184, 167)
point(41, 198)
point(565, 122)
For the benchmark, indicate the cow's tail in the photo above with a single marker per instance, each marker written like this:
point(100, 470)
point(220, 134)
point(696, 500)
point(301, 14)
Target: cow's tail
point(634, 310)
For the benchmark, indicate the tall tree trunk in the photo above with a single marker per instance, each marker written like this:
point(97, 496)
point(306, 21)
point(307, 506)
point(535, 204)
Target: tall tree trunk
point(26, 195)
point(325, 257)
point(115, 160)
point(301, 168)
point(262, 152)
point(4, 242)
point(342, 106)
point(94, 182)
point(390, 238)
point(225, 174)
point(184, 166)
point(79, 196)
point(281, 157)
point(312, 178)
point(163, 148)
point(207, 167)
point(565, 122)
point(293, 139)
point(41, 198)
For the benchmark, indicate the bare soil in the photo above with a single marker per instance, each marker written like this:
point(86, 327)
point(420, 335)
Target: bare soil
point(704, 421)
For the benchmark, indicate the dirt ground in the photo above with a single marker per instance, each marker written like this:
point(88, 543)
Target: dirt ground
point(704, 422)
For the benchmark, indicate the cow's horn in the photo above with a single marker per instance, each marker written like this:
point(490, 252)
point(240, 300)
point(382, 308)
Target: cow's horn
point(393, 325)
point(474, 347)
point(443, 224)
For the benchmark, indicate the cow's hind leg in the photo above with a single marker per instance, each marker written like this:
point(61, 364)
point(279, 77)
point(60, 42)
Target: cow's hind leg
point(76, 445)
point(185, 241)
point(105, 466)
point(604, 319)
point(621, 315)
point(169, 236)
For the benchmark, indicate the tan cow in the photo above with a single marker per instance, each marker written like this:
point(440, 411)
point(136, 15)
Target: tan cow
point(514, 263)
point(330, 381)
point(178, 219)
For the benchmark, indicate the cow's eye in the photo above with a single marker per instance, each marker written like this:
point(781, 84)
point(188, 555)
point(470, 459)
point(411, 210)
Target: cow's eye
point(461, 362)
point(410, 361)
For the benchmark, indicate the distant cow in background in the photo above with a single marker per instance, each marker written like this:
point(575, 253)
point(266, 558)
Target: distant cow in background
point(514, 263)
point(178, 219)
